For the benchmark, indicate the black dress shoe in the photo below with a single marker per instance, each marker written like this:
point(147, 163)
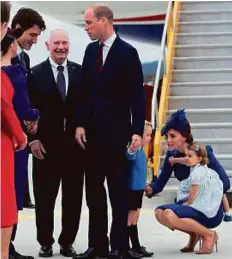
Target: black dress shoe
point(143, 251)
point(16, 255)
point(29, 206)
point(67, 251)
point(91, 253)
point(133, 254)
point(115, 255)
point(45, 251)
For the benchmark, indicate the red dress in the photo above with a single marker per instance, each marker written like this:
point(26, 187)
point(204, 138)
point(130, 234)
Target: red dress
point(11, 134)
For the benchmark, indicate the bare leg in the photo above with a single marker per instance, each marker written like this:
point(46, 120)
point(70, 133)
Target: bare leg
point(159, 214)
point(162, 220)
point(187, 224)
point(5, 242)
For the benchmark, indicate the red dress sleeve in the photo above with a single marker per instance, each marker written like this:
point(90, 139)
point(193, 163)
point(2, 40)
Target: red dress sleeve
point(10, 122)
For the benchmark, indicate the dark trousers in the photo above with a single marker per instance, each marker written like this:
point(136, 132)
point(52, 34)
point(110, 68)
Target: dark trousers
point(63, 165)
point(112, 167)
point(27, 198)
point(21, 176)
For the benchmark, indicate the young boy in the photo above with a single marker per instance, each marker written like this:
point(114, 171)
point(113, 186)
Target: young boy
point(137, 183)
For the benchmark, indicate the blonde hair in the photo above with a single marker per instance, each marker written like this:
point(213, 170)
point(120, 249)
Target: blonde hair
point(200, 151)
point(147, 125)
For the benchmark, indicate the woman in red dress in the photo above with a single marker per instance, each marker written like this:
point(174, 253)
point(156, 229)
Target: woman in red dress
point(12, 138)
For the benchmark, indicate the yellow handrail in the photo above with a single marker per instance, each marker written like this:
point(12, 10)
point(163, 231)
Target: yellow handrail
point(167, 79)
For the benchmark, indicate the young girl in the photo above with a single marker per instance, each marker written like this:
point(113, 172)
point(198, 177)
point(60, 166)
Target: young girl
point(202, 190)
point(202, 185)
point(226, 207)
point(137, 183)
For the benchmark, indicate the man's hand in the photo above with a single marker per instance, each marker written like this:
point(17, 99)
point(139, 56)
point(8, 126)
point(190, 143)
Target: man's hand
point(31, 126)
point(22, 145)
point(80, 137)
point(37, 149)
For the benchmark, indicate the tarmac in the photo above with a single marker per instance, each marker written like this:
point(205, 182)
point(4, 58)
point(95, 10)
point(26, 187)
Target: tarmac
point(155, 237)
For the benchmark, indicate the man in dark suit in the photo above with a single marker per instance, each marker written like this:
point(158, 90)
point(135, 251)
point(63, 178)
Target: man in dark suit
point(111, 113)
point(32, 24)
point(57, 158)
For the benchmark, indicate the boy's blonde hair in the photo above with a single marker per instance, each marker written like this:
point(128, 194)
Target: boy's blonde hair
point(147, 125)
point(200, 151)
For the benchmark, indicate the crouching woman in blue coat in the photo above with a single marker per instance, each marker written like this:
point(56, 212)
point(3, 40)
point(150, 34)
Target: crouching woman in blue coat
point(178, 134)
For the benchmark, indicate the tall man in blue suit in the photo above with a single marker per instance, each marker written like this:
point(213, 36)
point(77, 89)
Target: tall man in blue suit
point(32, 24)
point(110, 114)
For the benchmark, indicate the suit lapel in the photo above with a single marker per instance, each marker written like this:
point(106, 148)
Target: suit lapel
point(113, 53)
point(71, 78)
point(48, 74)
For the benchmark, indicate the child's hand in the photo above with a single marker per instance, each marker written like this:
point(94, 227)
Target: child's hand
point(185, 160)
point(171, 160)
point(148, 190)
point(134, 146)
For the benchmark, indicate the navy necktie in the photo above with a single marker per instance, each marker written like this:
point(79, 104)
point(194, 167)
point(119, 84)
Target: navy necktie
point(22, 60)
point(100, 66)
point(61, 82)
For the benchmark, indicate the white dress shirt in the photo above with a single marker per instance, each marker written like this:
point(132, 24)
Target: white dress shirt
point(107, 45)
point(55, 71)
point(19, 50)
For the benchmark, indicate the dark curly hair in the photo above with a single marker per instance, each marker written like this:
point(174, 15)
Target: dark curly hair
point(27, 18)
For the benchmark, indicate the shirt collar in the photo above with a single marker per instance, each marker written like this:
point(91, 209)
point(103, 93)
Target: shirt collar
point(109, 42)
point(55, 65)
point(19, 50)
point(194, 167)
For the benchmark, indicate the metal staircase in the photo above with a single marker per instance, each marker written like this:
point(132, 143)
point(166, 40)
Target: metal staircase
point(202, 74)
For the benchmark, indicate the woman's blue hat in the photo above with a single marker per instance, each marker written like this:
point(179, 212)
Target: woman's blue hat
point(177, 121)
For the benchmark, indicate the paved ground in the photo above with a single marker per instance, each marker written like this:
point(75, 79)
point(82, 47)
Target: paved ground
point(164, 243)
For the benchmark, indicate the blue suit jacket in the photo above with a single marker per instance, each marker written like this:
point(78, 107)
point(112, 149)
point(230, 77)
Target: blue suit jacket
point(111, 103)
point(17, 75)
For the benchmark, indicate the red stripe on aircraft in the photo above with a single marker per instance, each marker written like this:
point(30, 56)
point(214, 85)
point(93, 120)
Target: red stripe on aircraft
point(159, 17)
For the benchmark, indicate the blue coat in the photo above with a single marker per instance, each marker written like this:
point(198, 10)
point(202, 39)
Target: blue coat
point(17, 75)
point(137, 170)
point(182, 172)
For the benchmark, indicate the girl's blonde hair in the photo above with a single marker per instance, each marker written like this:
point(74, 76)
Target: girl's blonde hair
point(200, 151)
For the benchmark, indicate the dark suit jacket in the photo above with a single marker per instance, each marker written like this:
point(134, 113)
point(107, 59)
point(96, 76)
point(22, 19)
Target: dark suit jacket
point(111, 106)
point(16, 60)
point(44, 96)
